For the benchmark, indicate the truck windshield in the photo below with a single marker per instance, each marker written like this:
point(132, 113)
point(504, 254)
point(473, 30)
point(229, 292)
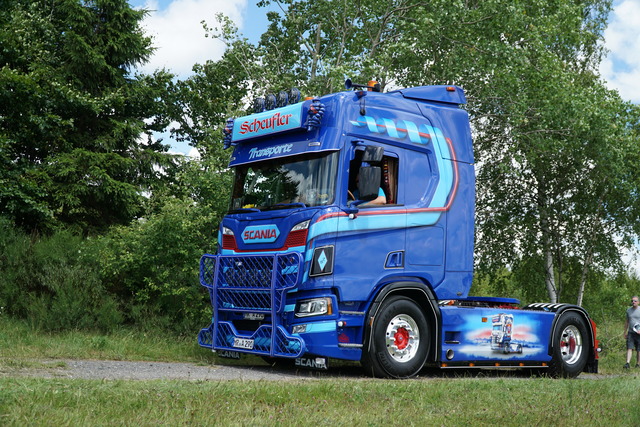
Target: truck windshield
point(307, 180)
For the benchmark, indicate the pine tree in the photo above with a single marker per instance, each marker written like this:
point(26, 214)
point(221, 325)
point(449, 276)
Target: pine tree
point(72, 116)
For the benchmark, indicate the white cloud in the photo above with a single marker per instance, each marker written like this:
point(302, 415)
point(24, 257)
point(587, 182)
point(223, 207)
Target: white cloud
point(621, 68)
point(178, 35)
point(194, 153)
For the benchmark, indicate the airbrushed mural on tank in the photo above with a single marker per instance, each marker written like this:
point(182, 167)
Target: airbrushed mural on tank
point(496, 335)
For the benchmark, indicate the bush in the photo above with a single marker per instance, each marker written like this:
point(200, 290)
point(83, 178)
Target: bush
point(144, 274)
point(15, 269)
point(44, 280)
point(152, 266)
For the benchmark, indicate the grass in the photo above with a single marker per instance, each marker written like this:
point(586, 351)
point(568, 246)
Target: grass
point(18, 340)
point(462, 401)
point(440, 400)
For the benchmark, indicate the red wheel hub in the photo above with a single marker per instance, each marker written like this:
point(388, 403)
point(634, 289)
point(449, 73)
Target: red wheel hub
point(401, 338)
point(570, 344)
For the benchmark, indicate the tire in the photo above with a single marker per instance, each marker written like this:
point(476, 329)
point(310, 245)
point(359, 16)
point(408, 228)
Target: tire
point(400, 340)
point(570, 347)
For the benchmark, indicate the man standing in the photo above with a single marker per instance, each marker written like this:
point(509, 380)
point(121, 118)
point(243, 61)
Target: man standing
point(632, 331)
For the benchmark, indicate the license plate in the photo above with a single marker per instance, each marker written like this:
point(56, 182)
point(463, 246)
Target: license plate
point(243, 343)
point(254, 316)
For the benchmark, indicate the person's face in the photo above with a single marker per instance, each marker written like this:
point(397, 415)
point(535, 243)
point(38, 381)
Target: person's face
point(634, 301)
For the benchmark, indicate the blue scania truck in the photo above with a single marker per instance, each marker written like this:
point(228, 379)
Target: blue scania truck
point(350, 235)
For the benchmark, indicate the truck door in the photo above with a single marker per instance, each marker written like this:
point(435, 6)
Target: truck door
point(371, 245)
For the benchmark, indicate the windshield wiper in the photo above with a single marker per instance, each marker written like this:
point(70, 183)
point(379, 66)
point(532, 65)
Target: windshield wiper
point(284, 206)
point(243, 210)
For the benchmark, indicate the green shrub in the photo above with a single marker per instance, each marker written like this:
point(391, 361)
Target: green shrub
point(44, 280)
point(15, 269)
point(144, 274)
point(152, 266)
point(75, 299)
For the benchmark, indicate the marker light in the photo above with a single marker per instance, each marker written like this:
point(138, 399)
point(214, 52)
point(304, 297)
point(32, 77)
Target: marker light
point(270, 101)
point(294, 96)
point(258, 105)
point(315, 113)
point(228, 133)
point(228, 239)
point(298, 235)
point(374, 86)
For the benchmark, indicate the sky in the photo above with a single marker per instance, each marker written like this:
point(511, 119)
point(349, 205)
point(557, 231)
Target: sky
point(178, 34)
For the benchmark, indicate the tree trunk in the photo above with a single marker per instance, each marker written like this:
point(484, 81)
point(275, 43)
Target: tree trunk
point(547, 242)
point(583, 278)
point(548, 273)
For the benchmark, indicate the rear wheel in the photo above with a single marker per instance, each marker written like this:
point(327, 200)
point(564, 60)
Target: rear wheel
point(399, 340)
point(570, 347)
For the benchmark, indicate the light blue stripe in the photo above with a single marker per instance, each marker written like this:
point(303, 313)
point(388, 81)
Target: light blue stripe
point(414, 134)
point(318, 327)
point(374, 222)
point(441, 148)
point(391, 128)
point(445, 168)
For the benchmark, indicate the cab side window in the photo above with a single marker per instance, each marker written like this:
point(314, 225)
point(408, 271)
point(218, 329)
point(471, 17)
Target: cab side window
point(390, 179)
point(388, 184)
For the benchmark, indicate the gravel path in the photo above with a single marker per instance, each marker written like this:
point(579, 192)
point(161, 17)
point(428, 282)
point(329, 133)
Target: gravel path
point(123, 370)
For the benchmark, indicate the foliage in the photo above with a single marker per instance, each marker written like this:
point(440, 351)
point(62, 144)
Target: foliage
point(71, 116)
point(44, 281)
point(216, 90)
point(314, 45)
point(151, 266)
point(144, 273)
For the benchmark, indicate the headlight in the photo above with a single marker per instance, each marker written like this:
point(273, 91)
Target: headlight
point(314, 307)
point(301, 226)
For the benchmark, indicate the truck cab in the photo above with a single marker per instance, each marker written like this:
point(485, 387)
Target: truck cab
point(350, 236)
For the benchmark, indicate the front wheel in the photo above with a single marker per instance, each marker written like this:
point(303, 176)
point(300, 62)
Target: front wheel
point(399, 340)
point(570, 347)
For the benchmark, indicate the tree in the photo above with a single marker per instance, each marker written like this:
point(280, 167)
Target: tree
point(554, 147)
point(72, 116)
point(556, 155)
